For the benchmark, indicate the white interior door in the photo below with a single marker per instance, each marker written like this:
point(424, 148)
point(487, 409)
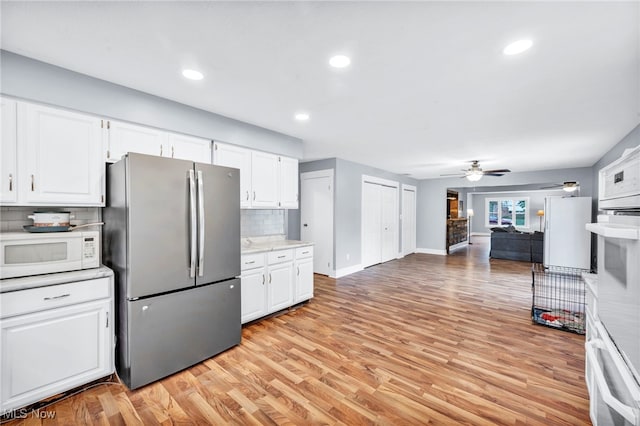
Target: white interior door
point(316, 217)
point(371, 224)
point(389, 223)
point(408, 219)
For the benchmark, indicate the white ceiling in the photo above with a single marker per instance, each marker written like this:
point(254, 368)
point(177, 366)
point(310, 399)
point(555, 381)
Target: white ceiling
point(428, 89)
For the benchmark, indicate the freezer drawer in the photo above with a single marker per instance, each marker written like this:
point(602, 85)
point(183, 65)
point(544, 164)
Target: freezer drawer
point(168, 333)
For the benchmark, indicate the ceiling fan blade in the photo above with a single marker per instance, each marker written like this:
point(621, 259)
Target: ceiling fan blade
point(493, 174)
point(497, 171)
point(453, 174)
point(557, 186)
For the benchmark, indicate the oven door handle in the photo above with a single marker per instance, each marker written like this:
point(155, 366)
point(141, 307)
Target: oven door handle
point(610, 230)
point(629, 413)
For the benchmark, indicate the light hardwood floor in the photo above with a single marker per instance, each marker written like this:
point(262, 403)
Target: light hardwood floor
point(422, 340)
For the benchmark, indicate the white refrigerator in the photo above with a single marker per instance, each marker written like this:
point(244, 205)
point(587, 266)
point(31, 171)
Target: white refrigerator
point(567, 243)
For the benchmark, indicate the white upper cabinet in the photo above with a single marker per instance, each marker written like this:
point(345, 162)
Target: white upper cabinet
point(8, 152)
point(61, 157)
point(191, 148)
point(264, 180)
point(288, 183)
point(238, 158)
point(125, 137)
point(267, 181)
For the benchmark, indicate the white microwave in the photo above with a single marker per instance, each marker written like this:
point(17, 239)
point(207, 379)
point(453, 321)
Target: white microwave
point(23, 254)
point(620, 183)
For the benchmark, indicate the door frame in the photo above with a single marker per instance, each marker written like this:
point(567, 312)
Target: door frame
point(384, 182)
point(326, 173)
point(402, 216)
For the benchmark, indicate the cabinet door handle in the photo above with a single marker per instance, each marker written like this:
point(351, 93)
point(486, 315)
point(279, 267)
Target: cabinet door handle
point(172, 151)
point(282, 257)
point(10, 182)
point(249, 263)
point(269, 277)
point(262, 279)
point(33, 184)
point(254, 195)
point(160, 150)
point(247, 195)
point(298, 271)
point(57, 297)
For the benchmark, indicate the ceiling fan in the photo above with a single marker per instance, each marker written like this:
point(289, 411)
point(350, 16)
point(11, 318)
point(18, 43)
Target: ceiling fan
point(475, 173)
point(568, 186)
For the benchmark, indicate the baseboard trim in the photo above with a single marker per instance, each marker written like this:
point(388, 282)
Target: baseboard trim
point(459, 245)
point(343, 272)
point(431, 251)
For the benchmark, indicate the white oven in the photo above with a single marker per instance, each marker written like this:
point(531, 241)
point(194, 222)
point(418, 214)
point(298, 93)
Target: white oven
point(24, 254)
point(613, 335)
point(614, 393)
point(619, 282)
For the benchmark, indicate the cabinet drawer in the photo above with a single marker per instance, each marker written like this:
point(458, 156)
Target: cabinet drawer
point(304, 252)
point(250, 261)
point(42, 298)
point(279, 256)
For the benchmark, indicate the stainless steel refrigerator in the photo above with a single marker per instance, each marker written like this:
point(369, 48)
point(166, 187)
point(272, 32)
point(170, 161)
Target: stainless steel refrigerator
point(566, 241)
point(172, 236)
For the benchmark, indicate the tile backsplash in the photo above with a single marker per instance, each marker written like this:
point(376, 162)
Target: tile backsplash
point(14, 218)
point(254, 223)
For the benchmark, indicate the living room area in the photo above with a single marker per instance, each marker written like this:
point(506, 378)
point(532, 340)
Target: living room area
point(510, 220)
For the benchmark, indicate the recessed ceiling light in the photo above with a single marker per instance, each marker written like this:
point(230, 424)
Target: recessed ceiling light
point(339, 61)
point(302, 116)
point(517, 47)
point(192, 74)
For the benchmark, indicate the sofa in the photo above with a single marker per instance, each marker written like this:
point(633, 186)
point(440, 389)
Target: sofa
point(508, 243)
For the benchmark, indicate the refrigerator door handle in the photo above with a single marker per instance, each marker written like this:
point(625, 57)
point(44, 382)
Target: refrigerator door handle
point(192, 224)
point(200, 224)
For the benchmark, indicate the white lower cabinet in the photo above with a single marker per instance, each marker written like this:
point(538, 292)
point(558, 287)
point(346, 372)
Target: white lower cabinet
point(275, 280)
point(253, 294)
point(50, 351)
point(304, 274)
point(280, 286)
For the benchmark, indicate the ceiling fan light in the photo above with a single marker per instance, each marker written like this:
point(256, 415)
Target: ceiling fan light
point(474, 176)
point(570, 186)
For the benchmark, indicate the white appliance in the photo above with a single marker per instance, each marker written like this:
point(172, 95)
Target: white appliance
point(23, 254)
point(566, 241)
point(613, 345)
point(620, 182)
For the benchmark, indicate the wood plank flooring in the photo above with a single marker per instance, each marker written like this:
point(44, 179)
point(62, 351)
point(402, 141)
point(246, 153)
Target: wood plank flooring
point(423, 340)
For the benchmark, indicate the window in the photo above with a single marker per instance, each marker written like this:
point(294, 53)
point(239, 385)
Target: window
point(505, 212)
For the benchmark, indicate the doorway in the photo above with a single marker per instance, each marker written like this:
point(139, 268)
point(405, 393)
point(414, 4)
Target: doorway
point(316, 217)
point(380, 216)
point(408, 219)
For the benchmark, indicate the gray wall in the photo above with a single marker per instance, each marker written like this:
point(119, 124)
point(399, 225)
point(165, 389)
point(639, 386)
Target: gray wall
point(347, 206)
point(37, 81)
point(432, 196)
point(293, 229)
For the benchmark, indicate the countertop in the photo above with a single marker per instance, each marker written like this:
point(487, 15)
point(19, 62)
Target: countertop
point(34, 281)
point(250, 245)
